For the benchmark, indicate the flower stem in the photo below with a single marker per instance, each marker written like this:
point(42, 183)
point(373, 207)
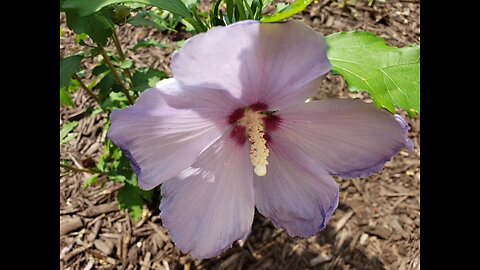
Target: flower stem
point(118, 80)
point(89, 92)
point(122, 55)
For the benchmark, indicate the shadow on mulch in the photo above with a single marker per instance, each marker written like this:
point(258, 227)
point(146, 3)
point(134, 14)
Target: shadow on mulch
point(279, 251)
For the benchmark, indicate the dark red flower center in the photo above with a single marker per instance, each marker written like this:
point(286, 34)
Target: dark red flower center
point(254, 123)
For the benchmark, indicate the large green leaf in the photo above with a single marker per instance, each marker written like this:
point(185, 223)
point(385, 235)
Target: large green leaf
point(98, 25)
point(177, 7)
point(390, 75)
point(287, 12)
point(68, 67)
point(87, 7)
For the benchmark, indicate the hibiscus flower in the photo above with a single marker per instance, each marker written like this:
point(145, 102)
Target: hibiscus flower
point(231, 131)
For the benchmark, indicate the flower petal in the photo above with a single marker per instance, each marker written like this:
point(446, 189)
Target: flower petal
point(297, 194)
point(269, 63)
point(159, 140)
point(210, 205)
point(350, 138)
point(215, 104)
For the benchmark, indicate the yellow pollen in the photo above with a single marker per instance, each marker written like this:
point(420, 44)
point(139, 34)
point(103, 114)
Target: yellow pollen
point(258, 145)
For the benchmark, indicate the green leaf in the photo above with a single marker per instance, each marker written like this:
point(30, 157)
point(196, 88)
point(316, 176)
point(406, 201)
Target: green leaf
point(115, 101)
point(80, 38)
point(125, 168)
point(147, 195)
point(100, 69)
point(121, 13)
point(126, 64)
point(215, 14)
point(267, 3)
point(87, 7)
point(70, 137)
point(129, 199)
point(147, 78)
point(94, 82)
point(180, 43)
point(390, 75)
point(287, 12)
point(149, 43)
point(65, 98)
point(190, 3)
point(91, 52)
point(132, 198)
point(230, 12)
point(91, 182)
point(64, 132)
point(280, 7)
point(164, 21)
point(121, 170)
point(68, 67)
point(97, 26)
point(236, 10)
point(107, 83)
point(101, 164)
point(200, 24)
point(118, 96)
point(257, 8)
point(149, 19)
point(241, 10)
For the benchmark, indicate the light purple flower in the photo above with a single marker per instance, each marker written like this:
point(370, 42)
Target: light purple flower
point(231, 131)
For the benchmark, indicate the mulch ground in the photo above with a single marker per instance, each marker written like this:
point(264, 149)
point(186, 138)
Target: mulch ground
point(376, 226)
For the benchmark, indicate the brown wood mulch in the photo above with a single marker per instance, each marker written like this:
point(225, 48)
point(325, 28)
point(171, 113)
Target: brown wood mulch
point(376, 226)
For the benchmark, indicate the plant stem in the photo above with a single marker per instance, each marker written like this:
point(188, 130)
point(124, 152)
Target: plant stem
point(117, 45)
point(122, 55)
point(115, 74)
point(89, 92)
point(75, 169)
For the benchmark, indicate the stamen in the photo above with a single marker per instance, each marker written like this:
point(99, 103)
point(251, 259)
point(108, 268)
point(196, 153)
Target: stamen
point(258, 147)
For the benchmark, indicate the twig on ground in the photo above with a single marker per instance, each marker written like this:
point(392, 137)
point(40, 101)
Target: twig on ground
point(96, 210)
point(70, 224)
